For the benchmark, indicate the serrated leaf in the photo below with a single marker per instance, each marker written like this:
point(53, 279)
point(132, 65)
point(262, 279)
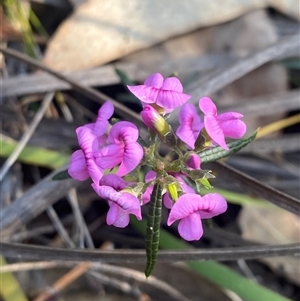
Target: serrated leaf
point(218, 152)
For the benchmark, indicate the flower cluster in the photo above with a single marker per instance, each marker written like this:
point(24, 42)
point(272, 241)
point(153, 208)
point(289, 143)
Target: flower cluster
point(112, 156)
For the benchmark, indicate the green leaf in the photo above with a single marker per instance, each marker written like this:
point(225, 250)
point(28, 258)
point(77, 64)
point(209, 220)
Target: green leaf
point(218, 152)
point(62, 175)
point(34, 155)
point(10, 289)
point(125, 80)
point(241, 199)
point(153, 228)
point(216, 272)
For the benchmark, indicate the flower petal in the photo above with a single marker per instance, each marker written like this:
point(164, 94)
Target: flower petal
point(214, 130)
point(155, 80)
point(190, 227)
point(77, 169)
point(184, 206)
point(172, 83)
point(151, 175)
point(132, 156)
point(212, 204)
point(170, 100)
point(233, 128)
point(113, 181)
point(116, 216)
point(123, 131)
point(190, 125)
point(125, 200)
point(207, 106)
point(167, 201)
point(89, 144)
point(104, 113)
point(109, 156)
point(144, 93)
point(193, 161)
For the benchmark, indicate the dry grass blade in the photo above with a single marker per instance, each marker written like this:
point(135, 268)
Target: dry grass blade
point(106, 75)
point(23, 251)
point(287, 143)
point(27, 135)
point(126, 273)
point(253, 186)
point(219, 79)
point(64, 281)
point(97, 96)
point(267, 104)
point(32, 203)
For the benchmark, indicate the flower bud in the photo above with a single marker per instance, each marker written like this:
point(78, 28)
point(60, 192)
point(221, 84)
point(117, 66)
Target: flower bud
point(192, 160)
point(155, 121)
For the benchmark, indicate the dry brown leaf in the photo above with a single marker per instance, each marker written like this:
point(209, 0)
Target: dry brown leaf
point(273, 226)
point(102, 31)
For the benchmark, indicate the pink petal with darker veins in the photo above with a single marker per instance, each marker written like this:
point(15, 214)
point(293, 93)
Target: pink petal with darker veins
point(132, 156)
point(212, 204)
point(113, 181)
point(173, 84)
point(89, 145)
point(123, 131)
point(155, 80)
point(104, 113)
point(190, 227)
point(116, 216)
point(110, 156)
point(126, 201)
point(207, 106)
point(170, 100)
point(233, 128)
point(77, 169)
point(183, 207)
point(144, 93)
point(214, 130)
point(190, 125)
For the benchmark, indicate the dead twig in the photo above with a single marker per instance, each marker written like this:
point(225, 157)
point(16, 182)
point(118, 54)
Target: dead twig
point(23, 251)
point(27, 135)
point(97, 96)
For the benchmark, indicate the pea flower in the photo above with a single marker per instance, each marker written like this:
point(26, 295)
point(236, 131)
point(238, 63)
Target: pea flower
point(121, 203)
point(122, 149)
point(190, 125)
point(90, 137)
point(191, 208)
point(164, 93)
point(82, 162)
point(223, 125)
point(101, 125)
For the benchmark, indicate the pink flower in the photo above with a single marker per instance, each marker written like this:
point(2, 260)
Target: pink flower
point(121, 203)
point(190, 125)
point(165, 93)
point(82, 162)
point(167, 201)
point(90, 137)
point(101, 125)
point(220, 126)
point(146, 196)
point(155, 121)
point(191, 208)
point(193, 161)
point(122, 149)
